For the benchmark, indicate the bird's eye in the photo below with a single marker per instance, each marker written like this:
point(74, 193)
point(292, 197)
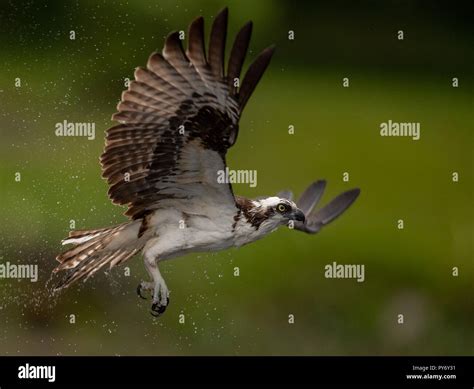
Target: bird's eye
point(281, 207)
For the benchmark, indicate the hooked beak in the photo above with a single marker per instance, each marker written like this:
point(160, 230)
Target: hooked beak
point(298, 215)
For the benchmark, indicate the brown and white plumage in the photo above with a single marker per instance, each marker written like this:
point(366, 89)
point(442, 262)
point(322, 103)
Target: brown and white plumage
point(180, 107)
point(177, 120)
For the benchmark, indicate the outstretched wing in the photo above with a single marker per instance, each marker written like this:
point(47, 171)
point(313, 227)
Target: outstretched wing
point(178, 118)
point(318, 218)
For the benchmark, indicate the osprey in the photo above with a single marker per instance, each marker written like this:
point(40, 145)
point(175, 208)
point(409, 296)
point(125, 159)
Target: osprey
point(177, 120)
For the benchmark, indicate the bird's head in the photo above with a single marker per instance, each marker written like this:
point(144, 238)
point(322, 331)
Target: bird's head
point(281, 211)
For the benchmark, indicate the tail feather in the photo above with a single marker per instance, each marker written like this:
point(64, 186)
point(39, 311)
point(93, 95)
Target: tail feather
point(67, 258)
point(118, 260)
point(96, 248)
point(80, 236)
point(81, 233)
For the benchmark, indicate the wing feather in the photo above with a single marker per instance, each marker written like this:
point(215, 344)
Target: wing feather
point(237, 55)
point(177, 120)
point(196, 51)
point(254, 74)
point(217, 44)
point(163, 69)
point(311, 196)
point(318, 218)
point(337, 206)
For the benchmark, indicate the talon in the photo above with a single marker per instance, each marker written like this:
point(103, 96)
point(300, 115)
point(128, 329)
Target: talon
point(139, 292)
point(157, 309)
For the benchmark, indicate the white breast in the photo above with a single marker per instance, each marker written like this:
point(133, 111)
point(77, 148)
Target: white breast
point(177, 233)
point(246, 233)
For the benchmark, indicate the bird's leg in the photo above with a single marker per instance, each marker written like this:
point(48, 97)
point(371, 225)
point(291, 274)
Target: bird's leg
point(144, 286)
point(158, 285)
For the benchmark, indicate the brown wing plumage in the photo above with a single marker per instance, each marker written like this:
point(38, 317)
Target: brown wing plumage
point(178, 118)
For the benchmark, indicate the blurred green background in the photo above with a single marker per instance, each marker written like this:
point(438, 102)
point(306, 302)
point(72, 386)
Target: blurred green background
point(336, 130)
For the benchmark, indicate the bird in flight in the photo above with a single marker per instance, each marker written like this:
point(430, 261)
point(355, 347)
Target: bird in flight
point(177, 120)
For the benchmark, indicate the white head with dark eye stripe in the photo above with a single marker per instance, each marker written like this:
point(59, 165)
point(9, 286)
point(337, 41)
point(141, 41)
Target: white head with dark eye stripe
point(281, 210)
